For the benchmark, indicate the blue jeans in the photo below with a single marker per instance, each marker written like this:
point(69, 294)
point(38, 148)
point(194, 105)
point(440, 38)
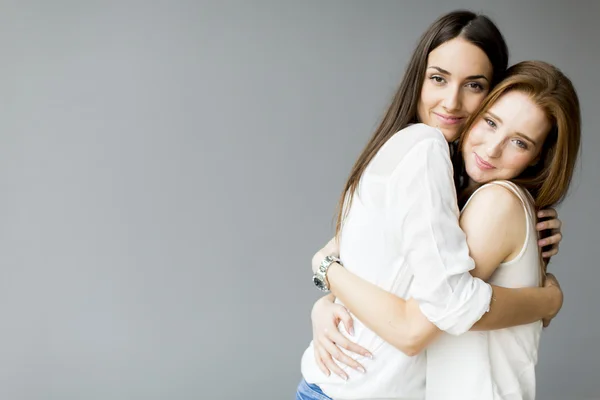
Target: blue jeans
point(307, 391)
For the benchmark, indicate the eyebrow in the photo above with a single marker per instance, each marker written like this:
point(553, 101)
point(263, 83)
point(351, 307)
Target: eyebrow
point(517, 133)
point(443, 71)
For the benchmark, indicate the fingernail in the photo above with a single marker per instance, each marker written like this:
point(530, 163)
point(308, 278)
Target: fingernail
point(351, 331)
point(345, 377)
point(361, 369)
point(369, 355)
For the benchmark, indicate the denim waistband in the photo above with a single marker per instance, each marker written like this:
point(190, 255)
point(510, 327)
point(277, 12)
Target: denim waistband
point(307, 391)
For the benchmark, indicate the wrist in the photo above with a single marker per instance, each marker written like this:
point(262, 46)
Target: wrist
point(320, 274)
point(332, 275)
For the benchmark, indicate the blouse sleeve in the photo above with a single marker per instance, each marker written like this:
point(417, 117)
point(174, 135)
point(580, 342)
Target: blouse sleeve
point(425, 222)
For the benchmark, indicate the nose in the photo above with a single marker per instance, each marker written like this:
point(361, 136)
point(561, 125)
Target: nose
point(452, 100)
point(494, 148)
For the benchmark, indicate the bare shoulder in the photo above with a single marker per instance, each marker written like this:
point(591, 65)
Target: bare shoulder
point(496, 198)
point(493, 221)
point(498, 206)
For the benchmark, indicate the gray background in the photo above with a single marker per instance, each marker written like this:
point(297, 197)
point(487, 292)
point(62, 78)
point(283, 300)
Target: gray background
point(167, 170)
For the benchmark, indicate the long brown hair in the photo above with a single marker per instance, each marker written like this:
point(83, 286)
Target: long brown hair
point(476, 29)
point(549, 178)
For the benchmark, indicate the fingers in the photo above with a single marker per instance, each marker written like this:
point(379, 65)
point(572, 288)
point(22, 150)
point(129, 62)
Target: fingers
point(335, 352)
point(547, 213)
point(554, 225)
point(551, 252)
point(330, 363)
point(319, 361)
point(550, 224)
point(554, 240)
point(340, 340)
point(329, 341)
point(343, 314)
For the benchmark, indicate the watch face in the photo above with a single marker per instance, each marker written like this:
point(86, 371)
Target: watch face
point(319, 283)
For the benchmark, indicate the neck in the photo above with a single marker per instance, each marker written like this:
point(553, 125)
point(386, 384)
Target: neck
point(472, 185)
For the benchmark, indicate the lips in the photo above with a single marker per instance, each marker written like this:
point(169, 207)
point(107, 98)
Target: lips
point(481, 163)
point(449, 119)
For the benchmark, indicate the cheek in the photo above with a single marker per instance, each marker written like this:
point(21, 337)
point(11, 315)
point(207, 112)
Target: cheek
point(468, 146)
point(475, 138)
point(517, 162)
point(427, 100)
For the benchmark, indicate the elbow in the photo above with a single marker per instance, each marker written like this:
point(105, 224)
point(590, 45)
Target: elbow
point(413, 345)
point(410, 335)
point(411, 352)
point(410, 342)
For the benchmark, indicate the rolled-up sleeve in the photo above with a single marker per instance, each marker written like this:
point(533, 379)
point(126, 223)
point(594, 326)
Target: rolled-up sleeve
point(425, 221)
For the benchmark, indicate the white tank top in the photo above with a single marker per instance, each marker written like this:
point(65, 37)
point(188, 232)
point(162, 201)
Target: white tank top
point(496, 364)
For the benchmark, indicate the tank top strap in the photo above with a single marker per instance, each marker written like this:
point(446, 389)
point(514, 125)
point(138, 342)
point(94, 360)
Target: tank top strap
point(523, 195)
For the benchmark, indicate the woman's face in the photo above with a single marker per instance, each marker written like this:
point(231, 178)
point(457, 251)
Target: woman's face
point(506, 139)
point(457, 80)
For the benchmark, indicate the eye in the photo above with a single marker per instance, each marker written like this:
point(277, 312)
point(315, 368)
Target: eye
point(475, 86)
point(437, 79)
point(491, 123)
point(521, 144)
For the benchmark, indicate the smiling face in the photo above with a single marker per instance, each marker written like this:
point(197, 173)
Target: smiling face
point(457, 80)
point(506, 139)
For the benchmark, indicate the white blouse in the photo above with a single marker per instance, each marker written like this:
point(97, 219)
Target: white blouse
point(402, 234)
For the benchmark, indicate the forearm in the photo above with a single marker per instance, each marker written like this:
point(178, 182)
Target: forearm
point(401, 323)
point(512, 307)
point(395, 320)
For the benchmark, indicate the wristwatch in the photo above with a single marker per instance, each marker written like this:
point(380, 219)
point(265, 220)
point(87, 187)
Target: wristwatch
point(320, 277)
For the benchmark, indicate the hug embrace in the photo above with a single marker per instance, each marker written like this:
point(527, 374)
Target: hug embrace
point(437, 271)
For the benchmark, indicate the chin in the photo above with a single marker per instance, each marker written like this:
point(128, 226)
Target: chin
point(475, 174)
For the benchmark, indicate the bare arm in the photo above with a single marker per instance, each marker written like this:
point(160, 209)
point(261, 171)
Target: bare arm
point(403, 324)
point(497, 240)
point(328, 342)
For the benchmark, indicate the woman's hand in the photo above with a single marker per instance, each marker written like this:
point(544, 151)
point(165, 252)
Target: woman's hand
point(550, 282)
point(554, 235)
point(327, 339)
